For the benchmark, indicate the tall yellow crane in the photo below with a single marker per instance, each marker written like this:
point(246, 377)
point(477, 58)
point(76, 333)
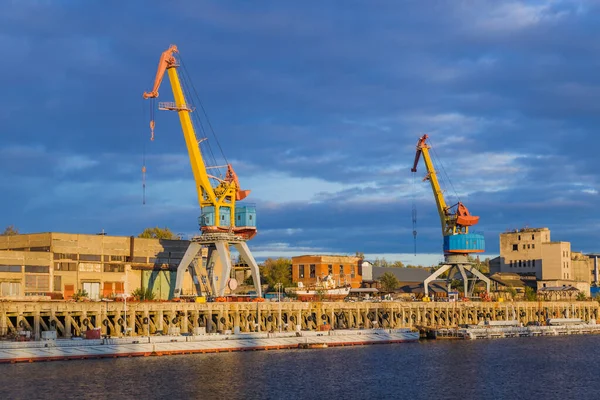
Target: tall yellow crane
point(222, 222)
point(218, 202)
point(455, 221)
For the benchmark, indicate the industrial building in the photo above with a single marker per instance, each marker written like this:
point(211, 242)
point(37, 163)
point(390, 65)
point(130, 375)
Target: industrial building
point(59, 265)
point(309, 269)
point(529, 252)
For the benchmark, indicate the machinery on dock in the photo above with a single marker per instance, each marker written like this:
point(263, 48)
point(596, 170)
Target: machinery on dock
point(222, 222)
point(456, 221)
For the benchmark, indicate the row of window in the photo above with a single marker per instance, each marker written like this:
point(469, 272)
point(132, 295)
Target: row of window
point(108, 258)
point(35, 269)
point(532, 236)
point(313, 270)
point(515, 247)
point(565, 253)
point(522, 263)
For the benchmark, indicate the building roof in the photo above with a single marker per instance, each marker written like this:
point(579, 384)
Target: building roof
point(507, 279)
point(402, 274)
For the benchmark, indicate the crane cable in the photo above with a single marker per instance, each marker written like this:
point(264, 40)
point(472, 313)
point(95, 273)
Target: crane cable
point(144, 150)
point(195, 92)
point(414, 211)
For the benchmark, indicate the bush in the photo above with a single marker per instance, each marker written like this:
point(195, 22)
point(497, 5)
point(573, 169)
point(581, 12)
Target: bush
point(80, 295)
point(140, 294)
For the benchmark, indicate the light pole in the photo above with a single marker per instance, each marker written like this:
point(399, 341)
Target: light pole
point(279, 304)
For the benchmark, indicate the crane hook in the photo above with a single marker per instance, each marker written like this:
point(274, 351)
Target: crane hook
point(152, 129)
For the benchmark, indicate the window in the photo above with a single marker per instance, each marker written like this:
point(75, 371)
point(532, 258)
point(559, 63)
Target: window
point(524, 247)
point(352, 272)
point(519, 263)
point(528, 246)
point(313, 271)
point(301, 271)
point(117, 258)
point(90, 257)
point(341, 270)
point(330, 269)
point(533, 245)
point(37, 283)
point(10, 289)
point(57, 283)
point(519, 237)
point(515, 247)
point(532, 237)
point(250, 217)
point(511, 263)
point(10, 268)
point(61, 256)
point(45, 248)
point(37, 269)
point(139, 260)
point(65, 266)
point(114, 268)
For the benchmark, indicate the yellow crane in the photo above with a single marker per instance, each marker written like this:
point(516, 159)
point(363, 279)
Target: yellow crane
point(222, 222)
point(455, 221)
point(218, 202)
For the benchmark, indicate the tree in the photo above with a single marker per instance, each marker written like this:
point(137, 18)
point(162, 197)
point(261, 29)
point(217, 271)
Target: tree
point(274, 271)
point(389, 282)
point(10, 231)
point(397, 264)
point(530, 294)
point(158, 233)
point(360, 255)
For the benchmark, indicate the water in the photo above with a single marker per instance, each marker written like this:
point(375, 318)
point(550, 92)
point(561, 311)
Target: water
point(519, 368)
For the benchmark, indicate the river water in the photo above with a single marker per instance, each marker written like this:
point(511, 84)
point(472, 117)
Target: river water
point(519, 368)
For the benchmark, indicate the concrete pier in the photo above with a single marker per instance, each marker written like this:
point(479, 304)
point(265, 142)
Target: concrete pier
point(73, 318)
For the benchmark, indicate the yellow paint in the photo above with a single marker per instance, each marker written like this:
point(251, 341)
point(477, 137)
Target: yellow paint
point(447, 219)
point(224, 193)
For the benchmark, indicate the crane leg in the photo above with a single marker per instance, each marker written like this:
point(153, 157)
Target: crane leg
point(224, 258)
point(244, 251)
point(433, 276)
point(187, 259)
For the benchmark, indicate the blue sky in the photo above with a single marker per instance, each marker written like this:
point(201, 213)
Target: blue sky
point(318, 105)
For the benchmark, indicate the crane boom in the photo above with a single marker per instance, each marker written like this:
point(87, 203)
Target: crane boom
point(221, 198)
point(452, 222)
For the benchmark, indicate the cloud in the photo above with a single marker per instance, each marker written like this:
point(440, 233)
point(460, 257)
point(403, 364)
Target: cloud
point(317, 106)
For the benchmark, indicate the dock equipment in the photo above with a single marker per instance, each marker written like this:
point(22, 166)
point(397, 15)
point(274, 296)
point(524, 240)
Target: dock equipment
point(455, 221)
point(222, 222)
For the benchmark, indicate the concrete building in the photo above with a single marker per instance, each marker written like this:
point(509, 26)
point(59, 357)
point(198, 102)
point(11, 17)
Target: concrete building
point(529, 252)
point(60, 264)
point(308, 269)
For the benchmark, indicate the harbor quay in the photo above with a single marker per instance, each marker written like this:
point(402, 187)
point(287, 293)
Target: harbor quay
point(28, 320)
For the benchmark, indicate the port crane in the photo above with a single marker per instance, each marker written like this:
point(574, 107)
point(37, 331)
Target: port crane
point(455, 221)
point(222, 222)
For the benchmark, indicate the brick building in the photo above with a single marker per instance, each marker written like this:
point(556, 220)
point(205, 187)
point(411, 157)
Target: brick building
point(308, 269)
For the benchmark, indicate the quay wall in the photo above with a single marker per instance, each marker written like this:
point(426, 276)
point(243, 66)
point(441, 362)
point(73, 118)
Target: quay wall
point(143, 318)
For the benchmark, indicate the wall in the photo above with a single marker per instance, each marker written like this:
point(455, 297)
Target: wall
point(345, 269)
point(110, 264)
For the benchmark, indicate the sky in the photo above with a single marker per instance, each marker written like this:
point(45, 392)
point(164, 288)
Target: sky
point(318, 106)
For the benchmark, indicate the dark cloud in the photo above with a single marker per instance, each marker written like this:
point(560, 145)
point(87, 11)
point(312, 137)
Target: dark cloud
point(335, 93)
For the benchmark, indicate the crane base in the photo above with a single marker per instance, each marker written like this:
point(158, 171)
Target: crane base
point(460, 262)
point(218, 262)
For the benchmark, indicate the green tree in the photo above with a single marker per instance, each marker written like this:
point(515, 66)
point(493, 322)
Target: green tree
point(530, 294)
point(10, 231)
point(274, 271)
point(397, 264)
point(360, 255)
point(158, 233)
point(389, 282)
